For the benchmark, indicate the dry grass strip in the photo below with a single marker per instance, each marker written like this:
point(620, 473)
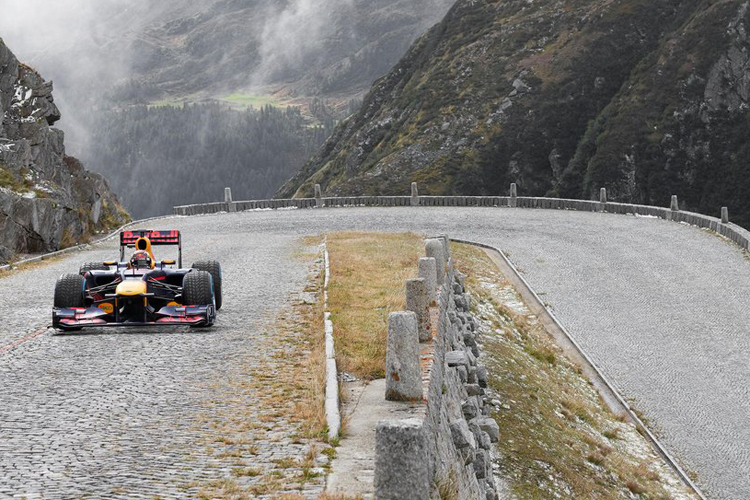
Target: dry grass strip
point(276, 401)
point(368, 275)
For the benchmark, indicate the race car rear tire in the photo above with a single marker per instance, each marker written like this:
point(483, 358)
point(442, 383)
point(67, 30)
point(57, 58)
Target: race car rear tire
point(213, 267)
point(69, 291)
point(197, 289)
point(92, 266)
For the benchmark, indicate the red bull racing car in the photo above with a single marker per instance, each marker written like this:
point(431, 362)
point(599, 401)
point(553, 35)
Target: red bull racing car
point(139, 291)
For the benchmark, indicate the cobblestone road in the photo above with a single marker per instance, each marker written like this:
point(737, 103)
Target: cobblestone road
point(145, 413)
point(662, 308)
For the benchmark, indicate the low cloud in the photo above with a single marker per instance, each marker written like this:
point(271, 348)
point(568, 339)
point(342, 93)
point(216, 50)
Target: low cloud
point(74, 44)
point(295, 33)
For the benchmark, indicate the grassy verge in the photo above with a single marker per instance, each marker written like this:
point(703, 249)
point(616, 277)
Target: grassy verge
point(368, 272)
point(559, 439)
point(240, 100)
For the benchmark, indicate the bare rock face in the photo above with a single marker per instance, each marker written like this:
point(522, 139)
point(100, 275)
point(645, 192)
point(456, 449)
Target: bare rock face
point(728, 85)
point(47, 199)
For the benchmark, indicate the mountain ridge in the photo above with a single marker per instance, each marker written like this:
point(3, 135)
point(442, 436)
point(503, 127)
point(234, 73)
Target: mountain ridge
point(502, 92)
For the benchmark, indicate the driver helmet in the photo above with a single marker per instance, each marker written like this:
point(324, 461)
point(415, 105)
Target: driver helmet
point(140, 260)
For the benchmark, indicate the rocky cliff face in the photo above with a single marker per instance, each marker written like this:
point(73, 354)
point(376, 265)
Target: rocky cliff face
point(47, 199)
point(645, 98)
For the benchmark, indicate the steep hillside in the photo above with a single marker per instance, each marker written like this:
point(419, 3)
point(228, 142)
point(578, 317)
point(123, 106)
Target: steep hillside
point(47, 199)
point(645, 98)
point(680, 125)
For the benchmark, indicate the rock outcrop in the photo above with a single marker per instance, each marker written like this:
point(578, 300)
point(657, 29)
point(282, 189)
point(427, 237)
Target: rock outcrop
point(47, 199)
point(645, 98)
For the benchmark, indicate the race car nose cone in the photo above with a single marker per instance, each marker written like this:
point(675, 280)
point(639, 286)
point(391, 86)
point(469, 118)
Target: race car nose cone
point(129, 288)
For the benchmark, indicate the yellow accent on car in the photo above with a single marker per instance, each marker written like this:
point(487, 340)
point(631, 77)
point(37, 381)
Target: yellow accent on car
point(173, 304)
point(107, 308)
point(129, 288)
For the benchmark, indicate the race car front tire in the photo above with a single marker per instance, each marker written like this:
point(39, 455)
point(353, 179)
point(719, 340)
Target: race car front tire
point(92, 266)
point(69, 291)
point(214, 268)
point(197, 289)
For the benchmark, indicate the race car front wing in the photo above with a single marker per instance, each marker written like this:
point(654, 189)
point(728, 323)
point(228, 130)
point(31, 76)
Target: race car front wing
point(79, 317)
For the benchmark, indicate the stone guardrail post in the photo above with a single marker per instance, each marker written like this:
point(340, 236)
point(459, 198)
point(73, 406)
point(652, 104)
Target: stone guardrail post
point(447, 254)
point(414, 195)
point(428, 272)
point(418, 302)
point(446, 246)
point(675, 205)
point(318, 196)
point(513, 195)
point(434, 249)
point(724, 215)
point(401, 469)
point(603, 195)
point(403, 374)
point(228, 199)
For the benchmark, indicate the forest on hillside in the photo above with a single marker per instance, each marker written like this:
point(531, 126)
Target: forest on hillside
point(159, 157)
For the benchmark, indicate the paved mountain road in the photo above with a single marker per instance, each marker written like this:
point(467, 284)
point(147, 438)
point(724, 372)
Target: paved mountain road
point(662, 308)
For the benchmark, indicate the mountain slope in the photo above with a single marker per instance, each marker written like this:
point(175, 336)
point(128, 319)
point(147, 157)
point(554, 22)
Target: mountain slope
point(548, 94)
point(47, 199)
point(681, 123)
point(168, 156)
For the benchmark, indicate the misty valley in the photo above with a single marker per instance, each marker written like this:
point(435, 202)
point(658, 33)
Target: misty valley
point(185, 98)
point(160, 157)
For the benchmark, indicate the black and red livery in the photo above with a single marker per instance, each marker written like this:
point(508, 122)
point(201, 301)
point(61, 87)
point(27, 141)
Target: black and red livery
point(140, 291)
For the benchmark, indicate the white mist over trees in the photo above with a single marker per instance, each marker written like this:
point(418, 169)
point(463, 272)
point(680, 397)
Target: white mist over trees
point(107, 56)
point(294, 35)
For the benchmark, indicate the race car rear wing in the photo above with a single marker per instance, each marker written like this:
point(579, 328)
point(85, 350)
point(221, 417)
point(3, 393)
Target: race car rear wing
point(128, 239)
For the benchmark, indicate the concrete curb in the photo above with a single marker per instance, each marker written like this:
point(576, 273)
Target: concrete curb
point(333, 414)
point(611, 395)
point(84, 246)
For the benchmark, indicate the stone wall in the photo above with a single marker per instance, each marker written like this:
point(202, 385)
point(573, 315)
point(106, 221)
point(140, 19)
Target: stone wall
point(443, 451)
point(720, 225)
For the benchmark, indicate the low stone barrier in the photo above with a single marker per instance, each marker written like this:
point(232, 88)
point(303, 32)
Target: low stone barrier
point(445, 443)
point(720, 225)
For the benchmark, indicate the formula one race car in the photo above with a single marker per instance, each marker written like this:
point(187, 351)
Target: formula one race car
point(139, 291)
